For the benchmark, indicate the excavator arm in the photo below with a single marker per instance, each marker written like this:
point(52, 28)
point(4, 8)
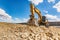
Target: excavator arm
point(33, 9)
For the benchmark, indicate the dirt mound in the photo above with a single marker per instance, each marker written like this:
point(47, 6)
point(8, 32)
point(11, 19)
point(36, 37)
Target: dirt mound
point(10, 31)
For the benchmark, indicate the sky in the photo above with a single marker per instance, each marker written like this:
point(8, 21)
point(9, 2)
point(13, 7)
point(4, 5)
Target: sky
point(17, 11)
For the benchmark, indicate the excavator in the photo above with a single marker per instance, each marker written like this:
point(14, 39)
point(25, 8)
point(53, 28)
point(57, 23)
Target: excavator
point(41, 19)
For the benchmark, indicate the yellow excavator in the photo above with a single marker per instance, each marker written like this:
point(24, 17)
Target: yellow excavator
point(41, 19)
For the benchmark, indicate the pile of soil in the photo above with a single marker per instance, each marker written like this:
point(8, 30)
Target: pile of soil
point(10, 31)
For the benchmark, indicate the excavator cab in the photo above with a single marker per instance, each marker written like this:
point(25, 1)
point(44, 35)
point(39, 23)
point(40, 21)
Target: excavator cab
point(43, 18)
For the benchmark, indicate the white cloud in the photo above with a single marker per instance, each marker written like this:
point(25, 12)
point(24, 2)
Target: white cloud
point(52, 17)
point(57, 6)
point(36, 2)
point(45, 11)
point(18, 20)
point(53, 1)
point(4, 17)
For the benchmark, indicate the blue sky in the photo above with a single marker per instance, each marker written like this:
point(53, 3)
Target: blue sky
point(19, 10)
point(15, 8)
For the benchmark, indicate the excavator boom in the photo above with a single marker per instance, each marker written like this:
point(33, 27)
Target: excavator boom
point(39, 14)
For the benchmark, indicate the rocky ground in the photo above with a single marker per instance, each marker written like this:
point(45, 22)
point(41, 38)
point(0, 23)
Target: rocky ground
point(25, 32)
